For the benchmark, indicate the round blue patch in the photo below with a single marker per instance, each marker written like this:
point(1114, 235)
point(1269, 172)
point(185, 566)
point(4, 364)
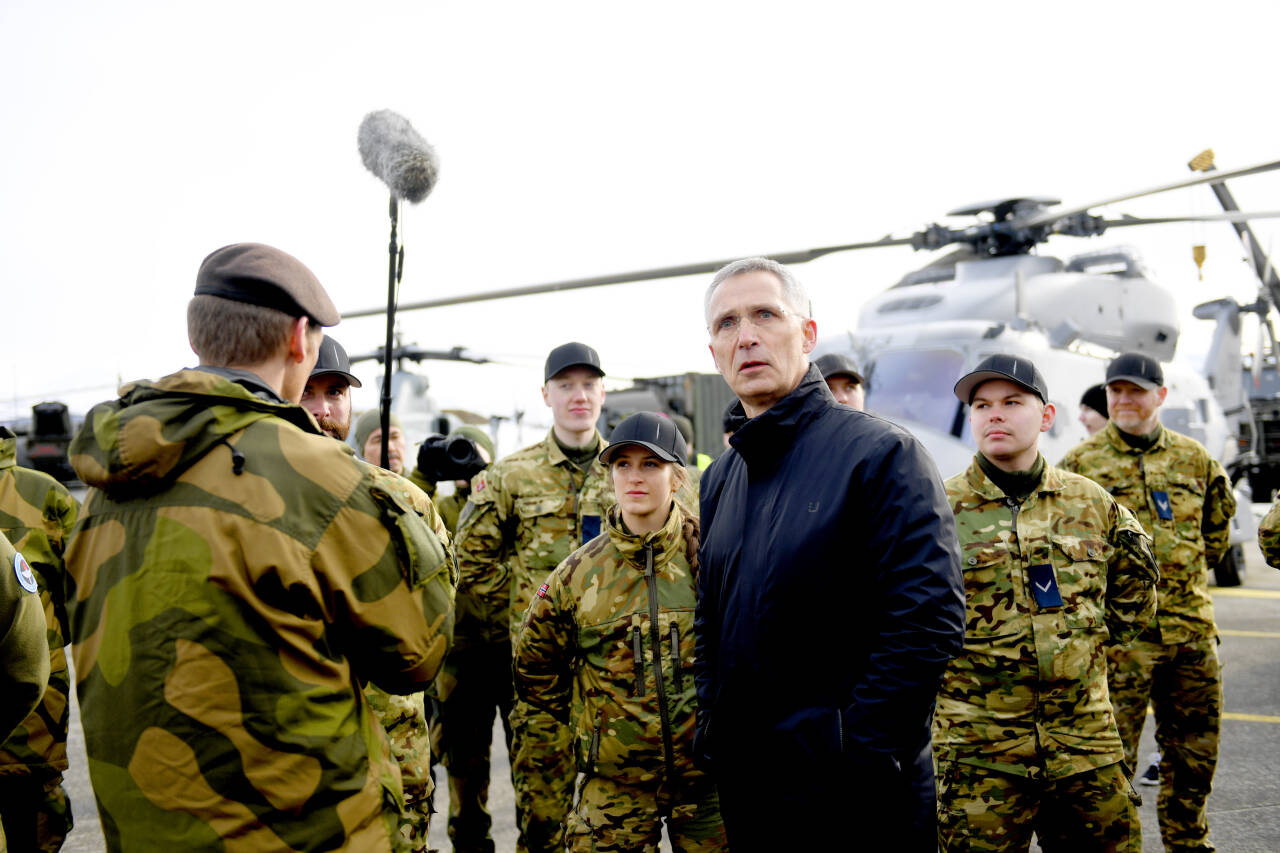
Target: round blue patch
point(26, 577)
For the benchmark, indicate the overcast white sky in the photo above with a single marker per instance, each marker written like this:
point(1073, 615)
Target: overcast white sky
point(577, 139)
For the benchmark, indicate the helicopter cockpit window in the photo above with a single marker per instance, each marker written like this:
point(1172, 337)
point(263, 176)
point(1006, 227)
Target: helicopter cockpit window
point(915, 385)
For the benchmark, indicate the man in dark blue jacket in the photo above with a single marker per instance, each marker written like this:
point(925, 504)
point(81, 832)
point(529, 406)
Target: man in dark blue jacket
point(830, 596)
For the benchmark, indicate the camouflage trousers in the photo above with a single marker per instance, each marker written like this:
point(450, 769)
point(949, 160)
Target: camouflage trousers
point(542, 772)
point(1183, 681)
point(404, 719)
point(985, 810)
point(474, 683)
point(35, 812)
point(613, 818)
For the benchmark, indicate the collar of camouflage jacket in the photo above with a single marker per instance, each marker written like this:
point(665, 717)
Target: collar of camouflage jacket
point(666, 542)
point(558, 457)
point(156, 430)
point(767, 436)
point(1113, 435)
point(982, 484)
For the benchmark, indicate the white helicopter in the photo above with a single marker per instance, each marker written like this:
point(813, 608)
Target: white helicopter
point(995, 294)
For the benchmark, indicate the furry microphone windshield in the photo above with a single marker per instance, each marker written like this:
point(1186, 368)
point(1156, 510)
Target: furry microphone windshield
point(397, 155)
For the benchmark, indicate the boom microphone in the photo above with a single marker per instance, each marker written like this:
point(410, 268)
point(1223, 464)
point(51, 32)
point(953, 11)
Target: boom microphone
point(397, 155)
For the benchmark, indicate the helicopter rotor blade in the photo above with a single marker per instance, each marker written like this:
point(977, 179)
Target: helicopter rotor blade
point(1048, 216)
point(626, 278)
point(1234, 216)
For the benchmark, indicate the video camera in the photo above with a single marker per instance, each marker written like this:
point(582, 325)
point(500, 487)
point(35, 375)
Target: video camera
point(443, 458)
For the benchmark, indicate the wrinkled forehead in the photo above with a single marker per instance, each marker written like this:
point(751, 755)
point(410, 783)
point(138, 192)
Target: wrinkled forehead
point(748, 290)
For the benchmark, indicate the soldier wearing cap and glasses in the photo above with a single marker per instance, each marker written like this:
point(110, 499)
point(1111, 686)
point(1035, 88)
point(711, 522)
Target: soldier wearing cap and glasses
point(1183, 499)
point(526, 513)
point(235, 578)
point(1055, 571)
point(844, 380)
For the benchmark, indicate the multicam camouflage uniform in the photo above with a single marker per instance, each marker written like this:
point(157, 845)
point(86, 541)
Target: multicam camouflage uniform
point(1269, 536)
point(526, 513)
point(1183, 499)
point(234, 576)
point(37, 514)
point(607, 647)
point(405, 719)
point(1024, 737)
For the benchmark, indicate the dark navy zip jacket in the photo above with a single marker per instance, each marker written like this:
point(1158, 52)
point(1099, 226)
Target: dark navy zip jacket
point(830, 597)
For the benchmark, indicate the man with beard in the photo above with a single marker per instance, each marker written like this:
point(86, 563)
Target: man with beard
point(327, 396)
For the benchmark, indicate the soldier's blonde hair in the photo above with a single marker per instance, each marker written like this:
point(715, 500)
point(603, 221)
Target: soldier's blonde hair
point(224, 332)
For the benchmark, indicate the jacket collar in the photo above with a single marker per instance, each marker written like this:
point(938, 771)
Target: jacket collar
point(666, 542)
point(980, 483)
point(1112, 432)
point(557, 457)
point(767, 436)
point(8, 449)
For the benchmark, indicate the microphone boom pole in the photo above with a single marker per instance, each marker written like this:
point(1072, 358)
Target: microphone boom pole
point(395, 267)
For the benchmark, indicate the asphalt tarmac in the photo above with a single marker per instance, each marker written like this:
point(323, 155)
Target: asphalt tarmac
point(1244, 809)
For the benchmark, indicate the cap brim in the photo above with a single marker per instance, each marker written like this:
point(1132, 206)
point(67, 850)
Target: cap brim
point(355, 382)
point(606, 455)
point(1141, 381)
point(564, 367)
point(965, 387)
point(855, 377)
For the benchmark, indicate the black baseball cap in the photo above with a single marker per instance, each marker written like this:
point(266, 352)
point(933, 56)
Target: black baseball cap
point(333, 359)
point(263, 275)
point(835, 364)
point(1142, 370)
point(571, 355)
point(650, 430)
point(1020, 371)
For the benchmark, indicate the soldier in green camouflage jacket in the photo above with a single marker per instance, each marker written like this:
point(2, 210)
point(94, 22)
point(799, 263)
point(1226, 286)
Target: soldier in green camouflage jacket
point(526, 513)
point(236, 576)
point(1269, 536)
point(1183, 499)
point(607, 647)
point(37, 514)
point(1055, 572)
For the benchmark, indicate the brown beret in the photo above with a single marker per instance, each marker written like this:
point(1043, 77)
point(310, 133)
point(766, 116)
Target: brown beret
point(263, 275)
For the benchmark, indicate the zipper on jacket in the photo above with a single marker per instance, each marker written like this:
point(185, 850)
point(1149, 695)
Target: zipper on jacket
point(656, 640)
point(676, 675)
point(637, 652)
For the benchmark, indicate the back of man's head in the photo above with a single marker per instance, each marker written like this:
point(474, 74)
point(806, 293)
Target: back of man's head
point(247, 297)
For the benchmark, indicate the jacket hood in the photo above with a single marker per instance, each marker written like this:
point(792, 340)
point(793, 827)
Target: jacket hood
point(154, 431)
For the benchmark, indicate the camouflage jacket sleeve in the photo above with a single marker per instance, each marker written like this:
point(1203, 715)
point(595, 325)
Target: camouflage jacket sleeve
point(384, 619)
point(1219, 507)
point(484, 570)
point(24, 652)
point(542, 652)
point(1269, 536)
point(1132, 577)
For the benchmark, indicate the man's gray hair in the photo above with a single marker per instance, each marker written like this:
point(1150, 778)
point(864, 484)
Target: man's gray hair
point(793, 292)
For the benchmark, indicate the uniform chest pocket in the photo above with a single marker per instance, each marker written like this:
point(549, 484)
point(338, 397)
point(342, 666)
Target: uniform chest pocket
point(991, 603)
point(1080, 564)
point(1186, 501)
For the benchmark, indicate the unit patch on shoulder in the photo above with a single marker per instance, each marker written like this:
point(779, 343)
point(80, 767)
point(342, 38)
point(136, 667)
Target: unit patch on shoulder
point(479, 486)
point(26, 577)
point(542, 590)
